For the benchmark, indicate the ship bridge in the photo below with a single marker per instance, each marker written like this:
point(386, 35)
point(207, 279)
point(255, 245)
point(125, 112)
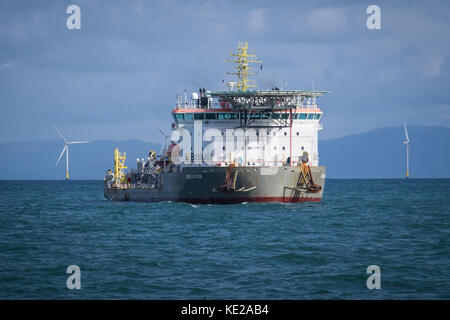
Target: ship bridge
point(257, 104)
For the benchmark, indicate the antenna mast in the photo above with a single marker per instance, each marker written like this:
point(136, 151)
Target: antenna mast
point(242, 59)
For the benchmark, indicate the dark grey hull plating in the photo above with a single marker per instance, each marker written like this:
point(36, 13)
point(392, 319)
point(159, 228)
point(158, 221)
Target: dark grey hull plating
point(200, 185)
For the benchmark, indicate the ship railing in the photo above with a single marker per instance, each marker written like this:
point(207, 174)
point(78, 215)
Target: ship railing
point(251, 162)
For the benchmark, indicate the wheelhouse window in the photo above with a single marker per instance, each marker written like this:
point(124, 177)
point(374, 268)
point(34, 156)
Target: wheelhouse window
point(310, 116)
point(275, 115)
point(317, 116)
point(199, 116)
point(285, 116)
point(188, 116)
point(180, 116)
point(302, 116)
point(222, 116)
point(210, 116)
point(232, 116)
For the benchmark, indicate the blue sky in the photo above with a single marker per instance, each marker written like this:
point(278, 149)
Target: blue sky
point(121, 71)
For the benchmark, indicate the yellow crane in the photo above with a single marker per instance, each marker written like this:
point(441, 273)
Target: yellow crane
point(119, 166)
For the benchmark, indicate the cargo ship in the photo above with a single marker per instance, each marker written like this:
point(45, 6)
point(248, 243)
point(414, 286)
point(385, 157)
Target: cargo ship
point(232, 146)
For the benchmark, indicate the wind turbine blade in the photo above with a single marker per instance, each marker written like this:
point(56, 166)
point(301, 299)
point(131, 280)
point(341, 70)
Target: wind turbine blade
point(406, 133)
point(60, 134)
point(163, 133)
point(75, 142)
point(60, 156)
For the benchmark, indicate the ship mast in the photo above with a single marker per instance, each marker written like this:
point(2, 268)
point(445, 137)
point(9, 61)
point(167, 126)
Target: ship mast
point(242, 59)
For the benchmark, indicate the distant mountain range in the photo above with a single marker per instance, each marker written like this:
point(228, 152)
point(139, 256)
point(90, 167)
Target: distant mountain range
point(375, 154)
point(380, 153)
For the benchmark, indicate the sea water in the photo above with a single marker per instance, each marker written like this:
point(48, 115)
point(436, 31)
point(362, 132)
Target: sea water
point(129, 250)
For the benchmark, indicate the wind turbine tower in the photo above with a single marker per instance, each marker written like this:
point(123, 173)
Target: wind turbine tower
point(406, 143)
point(66, 150)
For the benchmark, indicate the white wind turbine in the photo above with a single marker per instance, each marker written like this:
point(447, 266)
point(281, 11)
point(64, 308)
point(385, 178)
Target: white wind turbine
point(66, 150)
point(407, 142)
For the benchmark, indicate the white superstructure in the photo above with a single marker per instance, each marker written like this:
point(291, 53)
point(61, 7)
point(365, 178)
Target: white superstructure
point(260, 135)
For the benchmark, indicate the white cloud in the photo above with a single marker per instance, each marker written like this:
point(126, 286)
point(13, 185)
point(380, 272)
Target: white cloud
point(432, 67)
point(256, 20)
point(7, 64)
point(327, 20)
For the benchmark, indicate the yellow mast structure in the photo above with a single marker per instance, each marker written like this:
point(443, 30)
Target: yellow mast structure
point(119, 165)
point(242, 59)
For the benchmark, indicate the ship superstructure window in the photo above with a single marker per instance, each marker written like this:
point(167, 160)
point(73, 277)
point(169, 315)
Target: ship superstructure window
point(275, 116)
point(310, 116)
point(303, 116)
point(222, 116)
point(318, 116)
point(285, 116)
point(206, 115)
point(296, 116)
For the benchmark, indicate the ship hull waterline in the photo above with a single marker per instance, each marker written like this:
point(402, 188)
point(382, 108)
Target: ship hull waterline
point(200, 185)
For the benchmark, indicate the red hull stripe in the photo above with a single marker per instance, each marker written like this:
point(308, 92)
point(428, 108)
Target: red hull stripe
point(236, 200)
point(252, 199)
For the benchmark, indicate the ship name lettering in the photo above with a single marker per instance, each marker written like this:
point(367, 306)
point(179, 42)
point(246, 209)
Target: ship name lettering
point(194, 176)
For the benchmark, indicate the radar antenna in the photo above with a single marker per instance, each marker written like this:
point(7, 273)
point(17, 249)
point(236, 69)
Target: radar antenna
point(242, 59)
